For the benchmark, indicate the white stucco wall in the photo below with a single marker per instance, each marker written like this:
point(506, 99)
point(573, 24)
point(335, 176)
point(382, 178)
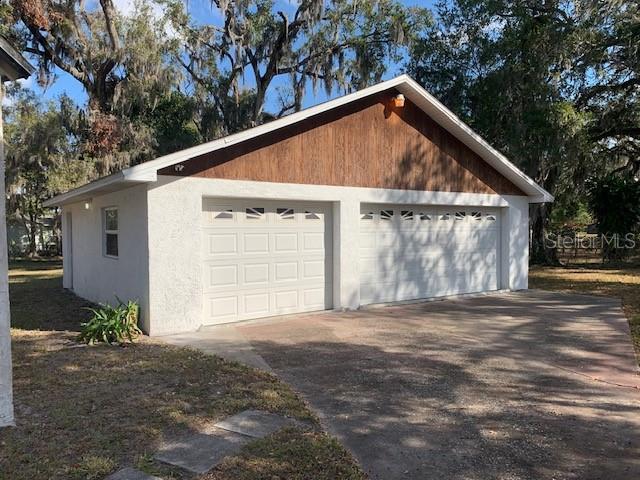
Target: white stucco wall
point(175, 282)
point(174, 212)
point(91, 274)
point(515, 244)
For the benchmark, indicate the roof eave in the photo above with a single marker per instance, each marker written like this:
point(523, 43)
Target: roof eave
point(20, 67)
point(112, 183)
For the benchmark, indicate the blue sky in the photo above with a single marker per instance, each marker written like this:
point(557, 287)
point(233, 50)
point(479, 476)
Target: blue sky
point(201, 12)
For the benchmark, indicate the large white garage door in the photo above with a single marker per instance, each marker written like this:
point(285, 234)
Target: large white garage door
point(411, 252)
point(265, 258)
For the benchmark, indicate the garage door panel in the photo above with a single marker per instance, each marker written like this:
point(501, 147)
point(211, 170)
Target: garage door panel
point(425, 252)
point(286, 271)
point(223, 244)
point(264, 258)
point(256, 303)
point(285, 242)
point(313, 270)
point(284, 300)
point(367, 241)
point(255, 243)
point(223, 276)
point(314, 297)
point(256, 274)
point(224, 307)
point(313, 242)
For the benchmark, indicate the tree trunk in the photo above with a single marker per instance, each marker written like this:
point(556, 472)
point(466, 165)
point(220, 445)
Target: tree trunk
point(258, 105)
point(31, 235)
point(541, 251)
point(41, 235)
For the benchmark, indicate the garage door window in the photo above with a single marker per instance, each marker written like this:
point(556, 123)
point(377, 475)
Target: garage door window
point(110, 223)
point(286, 213)
point(386, 214)
point(255, 213)
point(226, 214)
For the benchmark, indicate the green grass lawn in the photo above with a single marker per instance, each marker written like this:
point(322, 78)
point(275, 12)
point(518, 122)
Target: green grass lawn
point(622, 282)
point(83, 412)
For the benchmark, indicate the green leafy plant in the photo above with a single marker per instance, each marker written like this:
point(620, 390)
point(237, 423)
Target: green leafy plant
point(110, 324)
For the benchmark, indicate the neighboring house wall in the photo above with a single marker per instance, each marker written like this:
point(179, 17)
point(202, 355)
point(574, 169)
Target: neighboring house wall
point(175, 237)
point(367, 143)
point(18, 236)
point(87, 270)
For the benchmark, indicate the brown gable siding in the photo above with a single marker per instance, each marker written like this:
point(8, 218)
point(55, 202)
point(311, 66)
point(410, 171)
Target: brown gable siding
point(366, 143)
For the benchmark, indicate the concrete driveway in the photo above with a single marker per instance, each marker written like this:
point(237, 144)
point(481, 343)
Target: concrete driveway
point(530, 385)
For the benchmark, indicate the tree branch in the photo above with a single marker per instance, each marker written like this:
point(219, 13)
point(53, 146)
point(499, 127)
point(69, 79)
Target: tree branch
point(110, 15)
point(599, 89)
point(617, 131)
point(50, 54)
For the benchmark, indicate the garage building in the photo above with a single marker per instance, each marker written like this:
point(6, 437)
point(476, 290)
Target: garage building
point(382, 195)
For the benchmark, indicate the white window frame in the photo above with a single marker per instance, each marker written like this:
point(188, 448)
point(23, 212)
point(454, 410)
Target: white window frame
point(106, 232)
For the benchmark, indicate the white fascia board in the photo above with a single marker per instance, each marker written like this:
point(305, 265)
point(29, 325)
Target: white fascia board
point(112, 183)
point(225, 188)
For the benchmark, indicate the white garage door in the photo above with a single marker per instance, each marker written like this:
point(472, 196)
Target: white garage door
point(265, 258)
point(411, 252)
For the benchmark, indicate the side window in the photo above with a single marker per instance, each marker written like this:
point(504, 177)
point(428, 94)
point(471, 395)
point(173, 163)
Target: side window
point(110, 232)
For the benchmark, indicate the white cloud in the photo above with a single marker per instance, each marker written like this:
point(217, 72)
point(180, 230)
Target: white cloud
point(128, 8)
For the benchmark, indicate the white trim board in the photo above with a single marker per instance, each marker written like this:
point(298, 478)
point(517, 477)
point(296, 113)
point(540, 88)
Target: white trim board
point(218, 187)
point(147, 172)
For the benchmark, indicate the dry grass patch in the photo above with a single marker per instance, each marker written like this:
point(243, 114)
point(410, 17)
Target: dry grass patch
point(290, 454)
point(83, 412)
point(31, 285)
point(621, 282)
